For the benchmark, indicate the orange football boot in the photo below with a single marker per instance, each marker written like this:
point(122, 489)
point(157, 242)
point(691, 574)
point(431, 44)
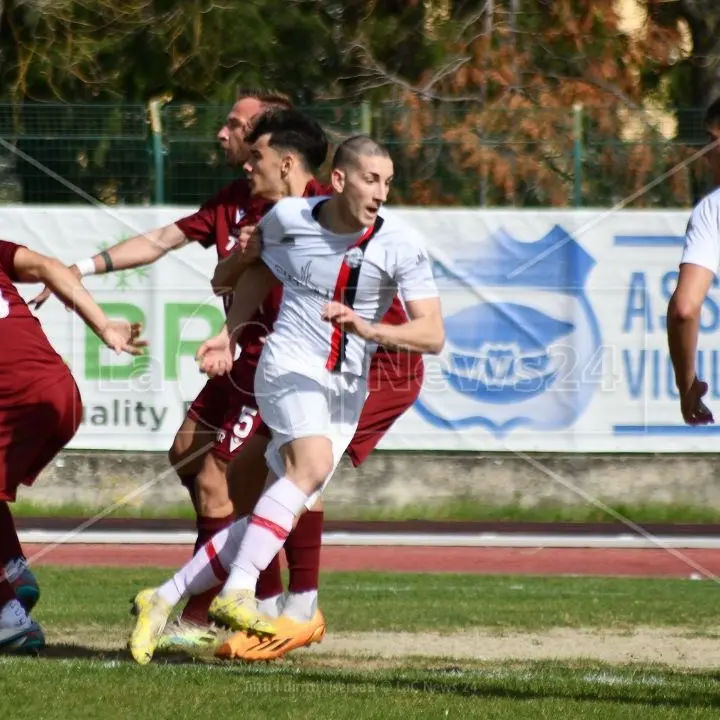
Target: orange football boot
point(290, 635)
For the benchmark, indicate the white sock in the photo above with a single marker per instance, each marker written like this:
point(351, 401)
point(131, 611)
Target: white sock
point(271, 607)
point(271, 522)
point(208, 567)
point(301, 606)
point(13, 615)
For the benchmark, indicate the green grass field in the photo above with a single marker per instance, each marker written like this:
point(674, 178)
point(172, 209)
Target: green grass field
point(398, 646)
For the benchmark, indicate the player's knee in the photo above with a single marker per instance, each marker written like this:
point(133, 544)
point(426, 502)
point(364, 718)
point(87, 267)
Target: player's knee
point(309, 470)
point(212, 473)
point(211, 482)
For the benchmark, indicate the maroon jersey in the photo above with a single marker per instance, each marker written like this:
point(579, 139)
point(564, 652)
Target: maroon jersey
point(219, 220)
point(27, 358)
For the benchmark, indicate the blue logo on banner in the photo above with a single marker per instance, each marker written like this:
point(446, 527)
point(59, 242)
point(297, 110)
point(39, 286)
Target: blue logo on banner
point(523, 344)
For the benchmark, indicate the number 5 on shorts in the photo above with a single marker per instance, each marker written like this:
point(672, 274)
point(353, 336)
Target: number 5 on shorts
point(243, 427)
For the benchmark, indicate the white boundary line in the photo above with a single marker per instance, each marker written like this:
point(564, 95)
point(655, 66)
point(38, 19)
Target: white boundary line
point(479, 540)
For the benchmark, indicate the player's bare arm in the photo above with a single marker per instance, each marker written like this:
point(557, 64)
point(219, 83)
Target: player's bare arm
point(134, 252)
point(216, 355)
point(228, 271)
point(256, 283)
point(683, 321)
point(121, 336)
point(424, 332)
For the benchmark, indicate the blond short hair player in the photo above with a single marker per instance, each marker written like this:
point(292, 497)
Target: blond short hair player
point(341, 260)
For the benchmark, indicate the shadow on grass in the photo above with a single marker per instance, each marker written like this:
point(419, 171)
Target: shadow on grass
point(665, 689)
point(670, 693)
point(70, 651)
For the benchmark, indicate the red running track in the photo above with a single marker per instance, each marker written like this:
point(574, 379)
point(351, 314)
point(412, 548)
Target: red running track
point(510, 561)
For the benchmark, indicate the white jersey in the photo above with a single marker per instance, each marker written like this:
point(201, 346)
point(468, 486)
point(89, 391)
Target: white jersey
point(363, 270)
point(702, 236)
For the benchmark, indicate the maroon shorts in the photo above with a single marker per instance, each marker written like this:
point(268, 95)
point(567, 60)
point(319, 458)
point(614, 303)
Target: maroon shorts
point(33, 431)
point(227, 405)
point(392, 390)
point(209, 406)
point(241, 420)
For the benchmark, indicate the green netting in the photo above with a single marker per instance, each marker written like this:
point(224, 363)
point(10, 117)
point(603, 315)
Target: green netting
point(55, 153)
point(450, 154)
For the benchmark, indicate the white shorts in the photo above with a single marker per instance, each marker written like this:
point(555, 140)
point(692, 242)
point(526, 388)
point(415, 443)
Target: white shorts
point(295, 406)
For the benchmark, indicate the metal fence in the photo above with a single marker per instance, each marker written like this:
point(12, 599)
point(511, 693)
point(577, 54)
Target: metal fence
point(444, 155)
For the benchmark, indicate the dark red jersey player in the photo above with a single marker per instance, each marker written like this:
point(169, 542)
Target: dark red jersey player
point(40, 411)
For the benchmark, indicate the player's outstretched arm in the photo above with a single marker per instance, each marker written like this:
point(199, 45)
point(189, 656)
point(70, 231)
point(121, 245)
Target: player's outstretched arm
point(424, 332)
point(683, 322)
point(121, 336)
point(134, 252)
point(229, 270)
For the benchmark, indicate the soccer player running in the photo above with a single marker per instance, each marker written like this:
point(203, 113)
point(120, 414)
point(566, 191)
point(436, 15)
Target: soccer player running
point(395, 381)
point(341, 261)
point(40, 411)
point(698, 269)
point(288, 149)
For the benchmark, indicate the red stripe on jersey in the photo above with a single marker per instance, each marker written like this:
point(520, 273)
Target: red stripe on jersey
point(337, 334)
point(220, 572)
point(345, 289)
point(274, 528)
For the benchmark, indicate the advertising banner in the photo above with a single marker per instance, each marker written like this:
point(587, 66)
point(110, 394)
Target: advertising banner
point(556, 337)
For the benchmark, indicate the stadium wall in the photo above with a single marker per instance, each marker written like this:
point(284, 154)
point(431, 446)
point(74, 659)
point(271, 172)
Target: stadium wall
point(391, 481)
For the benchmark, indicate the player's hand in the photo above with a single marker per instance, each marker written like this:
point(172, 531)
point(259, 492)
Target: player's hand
point(250, 243)
point(123, 336)
point(228, 271)
point(215, 355)
point(346, 318)
point(694, 410)
point(38, 301)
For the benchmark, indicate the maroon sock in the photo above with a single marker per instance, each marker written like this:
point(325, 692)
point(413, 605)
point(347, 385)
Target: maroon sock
point(269, 583)
point(6, 592)
point(10, 547)
point(302, 548)
point(197, 606)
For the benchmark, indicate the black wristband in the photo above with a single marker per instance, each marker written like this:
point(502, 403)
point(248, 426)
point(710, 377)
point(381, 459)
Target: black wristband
point(105, 255)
